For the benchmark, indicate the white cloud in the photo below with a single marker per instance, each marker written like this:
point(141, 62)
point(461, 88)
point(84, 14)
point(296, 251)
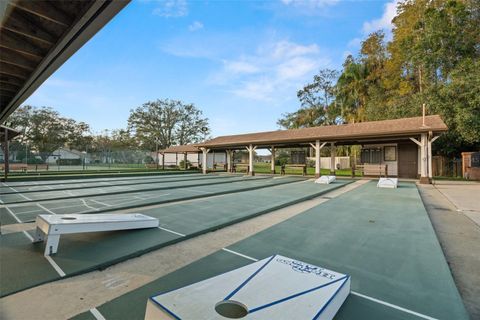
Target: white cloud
point(384, 22)
point(239, 67)
point(196, 25)
point(354, 43)
point(275, 70)
point(172, 9)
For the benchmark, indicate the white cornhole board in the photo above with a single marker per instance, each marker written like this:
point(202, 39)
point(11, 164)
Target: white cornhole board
point(391, 183)
point(325, 179)
point(273, 288)
point(51, 226)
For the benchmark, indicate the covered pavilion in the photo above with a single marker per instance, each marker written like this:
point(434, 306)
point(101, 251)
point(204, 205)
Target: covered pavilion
point(413, 138)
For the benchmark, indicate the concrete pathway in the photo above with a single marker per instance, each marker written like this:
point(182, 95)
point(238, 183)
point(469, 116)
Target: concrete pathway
point(465, 196)
point(454, 210)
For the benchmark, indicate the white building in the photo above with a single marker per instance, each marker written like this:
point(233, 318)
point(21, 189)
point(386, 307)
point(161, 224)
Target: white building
point(63, 153)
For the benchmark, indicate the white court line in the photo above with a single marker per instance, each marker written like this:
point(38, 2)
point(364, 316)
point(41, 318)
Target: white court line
point(393, 306)
point(28, 235)
point(171, 231)
point(102, 203)
point(97, 314)
point(30, 211)
point(13, 215)
point(46, 209)
point(55, 266)
point(239, 254)
point(86, 205)
point(21, 195)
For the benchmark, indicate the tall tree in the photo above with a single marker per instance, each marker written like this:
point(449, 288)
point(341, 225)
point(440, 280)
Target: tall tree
point(317, 103)
point(45, 130)
point(169, 122)
point(432, 59)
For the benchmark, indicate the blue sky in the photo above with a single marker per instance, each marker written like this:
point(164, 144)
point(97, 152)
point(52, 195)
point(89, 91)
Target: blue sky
point(241, 62)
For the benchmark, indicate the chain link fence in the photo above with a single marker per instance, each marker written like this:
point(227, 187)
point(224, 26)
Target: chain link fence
point(23, 159)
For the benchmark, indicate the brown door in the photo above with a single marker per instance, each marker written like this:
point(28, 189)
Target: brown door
point(407, 160)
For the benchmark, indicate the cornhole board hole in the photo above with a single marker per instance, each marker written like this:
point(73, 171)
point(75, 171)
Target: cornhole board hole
point(325, 179)
point(391, 183)
point(51, 227)
point(273, 288)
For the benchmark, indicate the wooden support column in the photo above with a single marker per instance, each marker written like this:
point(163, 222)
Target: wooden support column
point(332, 158)
point(205, 151)
point(250, 150)
point(317, 147)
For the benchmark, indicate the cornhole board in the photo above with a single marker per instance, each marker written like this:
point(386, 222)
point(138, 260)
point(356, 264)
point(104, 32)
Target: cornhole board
point(273, 288)
point(391, 183)
point(325, 179)
point(50, 226)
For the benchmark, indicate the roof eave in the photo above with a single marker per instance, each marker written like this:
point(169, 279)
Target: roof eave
point(84, 28)
point(403, 133)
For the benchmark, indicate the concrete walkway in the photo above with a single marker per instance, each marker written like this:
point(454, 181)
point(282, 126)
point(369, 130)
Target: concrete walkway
point(454, 209)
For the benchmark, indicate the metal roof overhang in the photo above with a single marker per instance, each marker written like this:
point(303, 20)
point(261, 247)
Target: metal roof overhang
point(8, 132)
point(37, 37)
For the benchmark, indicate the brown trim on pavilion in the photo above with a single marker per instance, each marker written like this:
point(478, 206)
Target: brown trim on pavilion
point(372, 130)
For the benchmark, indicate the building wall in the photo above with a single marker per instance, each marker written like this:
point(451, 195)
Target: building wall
point(172, 159)
point(392, 166)
point(63, 154)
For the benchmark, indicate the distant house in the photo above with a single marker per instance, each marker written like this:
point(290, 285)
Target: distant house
point(262, 158)
point(67, 154)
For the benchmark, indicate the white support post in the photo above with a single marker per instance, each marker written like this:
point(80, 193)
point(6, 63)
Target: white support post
point(423, 144)
point(205, 151)
point(250, 150)
point(229, 160)
point(332, 158)
point(273, 160)
point(317, 147)
point(430, 170)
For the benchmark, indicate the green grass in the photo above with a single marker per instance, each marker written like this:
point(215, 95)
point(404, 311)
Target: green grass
point(260, 167)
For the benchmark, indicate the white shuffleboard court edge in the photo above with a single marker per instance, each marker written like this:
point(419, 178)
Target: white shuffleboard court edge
point(97, 314)
point(171, 231)
point(44, 208)
point(55, 266)
point(239, 254)
point(13, 214)
point(391, 305)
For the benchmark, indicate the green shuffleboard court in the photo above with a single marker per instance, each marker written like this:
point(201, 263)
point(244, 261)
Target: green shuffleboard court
point(94, 183)
point(382, 238)
point(27, 212)
point(23, 264)
point(69, 193)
